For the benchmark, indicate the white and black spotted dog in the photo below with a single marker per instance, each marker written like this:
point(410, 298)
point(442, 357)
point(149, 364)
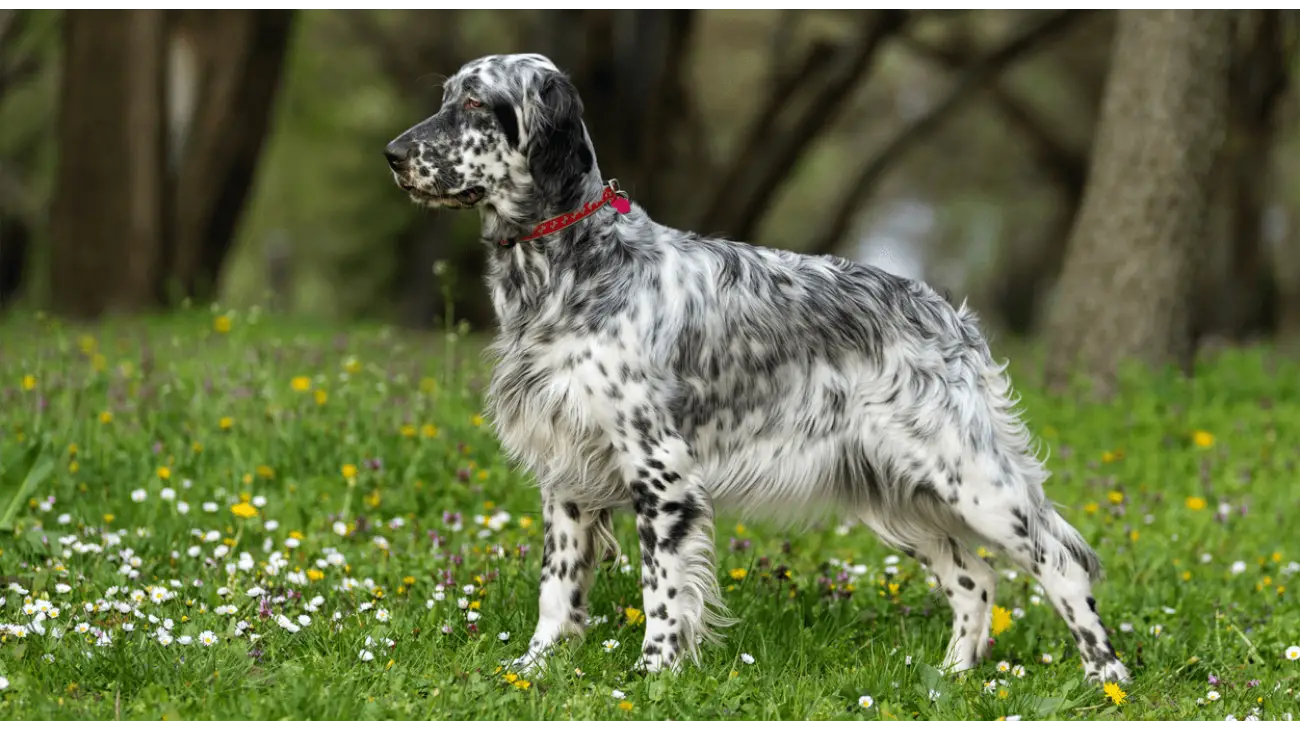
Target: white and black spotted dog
point(648, 367)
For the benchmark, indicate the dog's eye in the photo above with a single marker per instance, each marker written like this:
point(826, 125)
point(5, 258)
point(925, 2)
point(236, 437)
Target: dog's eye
point(473, 103)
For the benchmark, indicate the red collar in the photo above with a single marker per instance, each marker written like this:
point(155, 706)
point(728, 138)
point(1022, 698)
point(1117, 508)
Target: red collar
point(610, 194)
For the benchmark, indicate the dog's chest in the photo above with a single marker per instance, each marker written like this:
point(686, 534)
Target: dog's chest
point(552, 410)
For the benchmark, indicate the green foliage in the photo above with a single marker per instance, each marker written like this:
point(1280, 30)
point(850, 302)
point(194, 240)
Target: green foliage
point(369, 447)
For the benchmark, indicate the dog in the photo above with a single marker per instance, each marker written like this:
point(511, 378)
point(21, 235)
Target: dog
point(638, 365)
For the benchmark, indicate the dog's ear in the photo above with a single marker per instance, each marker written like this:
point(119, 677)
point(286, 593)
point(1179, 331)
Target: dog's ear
point(558, 154)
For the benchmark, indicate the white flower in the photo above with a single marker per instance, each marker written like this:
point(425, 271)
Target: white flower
point(210, 507)
point(1156, 630)
point(128, 627)
point(468, 589)
point(935, 694)
point(207, 638)
point(292, 543)
point(194, 551)
point(62, 588)
point(341, 529)
point(1212, 696)
point(618, 695)
point(82, 628)
point(185, 640)
point(1018, 671)
point(1004, 666)
point(746, 658)
point(4, 684)
point(1206, 557)
point(183, 507)
point(1013, 718)
point(225, 610)
point(271, 525)
point(1047, 659)
point(610, 645)
point(365, 655)
point(1169, 611)
point(865, 702)
point(472, 616)
point(167, 493)
point(259, 501)
point(139, 495)
point(1238, 567)
point(504, 636)
point(1292, 653)
point(1126, 627)
point(462, 603)
point(305, 620)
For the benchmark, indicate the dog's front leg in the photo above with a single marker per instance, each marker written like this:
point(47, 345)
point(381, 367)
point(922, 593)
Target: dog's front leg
point(569, 543)
point(674, 516)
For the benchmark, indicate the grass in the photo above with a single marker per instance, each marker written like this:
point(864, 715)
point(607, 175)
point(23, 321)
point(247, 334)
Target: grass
point(342, 477)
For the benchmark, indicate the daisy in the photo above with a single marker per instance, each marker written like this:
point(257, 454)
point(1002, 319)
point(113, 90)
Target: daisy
point(365, 655)
point(610, 645)
point(1046, 659)
point(1212, 696)
point(1018, 671)
point(472, 616)
point(504, 636)
point(865, 702)
point(185, 640)
point(139, 495)
point(746, 658)
point(82, 627)
point(207, 638)
point(382, 615)
point(618, 695)
point(1004, 666)
point(1292, 653)
point(165, 639)
point(4, 684)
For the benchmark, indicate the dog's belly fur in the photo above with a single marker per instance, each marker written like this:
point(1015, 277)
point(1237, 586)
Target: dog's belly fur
point(867, 451)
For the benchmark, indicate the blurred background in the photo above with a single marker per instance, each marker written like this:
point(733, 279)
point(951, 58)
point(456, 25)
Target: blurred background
point(1125, 177)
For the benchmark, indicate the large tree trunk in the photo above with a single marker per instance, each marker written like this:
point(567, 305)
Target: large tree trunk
point(107, 215)
point(1125, 292)
point(240, 58)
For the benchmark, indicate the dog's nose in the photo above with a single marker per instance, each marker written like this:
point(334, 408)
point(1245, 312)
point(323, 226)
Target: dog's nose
point(397, 152)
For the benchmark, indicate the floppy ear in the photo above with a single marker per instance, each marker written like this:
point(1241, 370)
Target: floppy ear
point(558, 154)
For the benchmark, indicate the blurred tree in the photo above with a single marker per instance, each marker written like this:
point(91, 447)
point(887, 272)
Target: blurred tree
point(20, 63)
point(237, 57)
point(107, 216)
point(1126, 284)
point(1239, 286)
point(133, 226)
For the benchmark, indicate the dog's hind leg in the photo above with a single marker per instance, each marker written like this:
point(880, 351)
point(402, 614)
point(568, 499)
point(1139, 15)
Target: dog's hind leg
point(571, 538)
point(969, 583)
point(1044, 544)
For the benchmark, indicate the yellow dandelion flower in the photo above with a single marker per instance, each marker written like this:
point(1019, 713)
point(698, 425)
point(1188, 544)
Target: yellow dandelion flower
point(373, 499)
point(477, 420)
point(349, 471)
point(226, 423)
point(1203, 439)
point(511, 677)
point(1001, 620)
point(634, 616)
point(88, 344)
point(352, 366)
point(98, 362)
point(247, 479)
point(1091, 508)
point(105, 417)
point(29, 382)
point(302, 383)
point(72, 449)
point(625, 706)
point(525, 522)
point(1187, 575)
point(244, 510)
point(1277, 557)
point(196, 447)
point(739, 573)
point(314, 575)
point(1133, 535)
point(109, 518)
point(408, 431)
point(322, 397)
point(221, 324)
point(164, 473)
point(429, 431)
point(1115, 693)
point(1115, 497)
point(74, 467)
point(1109, 457)
point(740, 529)
point(1195, 504)
point(409, 580)
point(265, 472)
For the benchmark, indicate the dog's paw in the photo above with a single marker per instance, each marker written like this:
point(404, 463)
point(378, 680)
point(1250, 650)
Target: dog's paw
point(1111, 671)
point(529, 665)
point(655, 663)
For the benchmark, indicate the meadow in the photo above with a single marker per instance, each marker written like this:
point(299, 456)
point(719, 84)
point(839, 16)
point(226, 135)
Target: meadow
point(224, 515)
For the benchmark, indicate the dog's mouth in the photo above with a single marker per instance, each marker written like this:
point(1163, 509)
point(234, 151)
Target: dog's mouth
point(467, 198)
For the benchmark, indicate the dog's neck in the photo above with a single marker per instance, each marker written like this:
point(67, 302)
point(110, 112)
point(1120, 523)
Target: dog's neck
point(500, 223)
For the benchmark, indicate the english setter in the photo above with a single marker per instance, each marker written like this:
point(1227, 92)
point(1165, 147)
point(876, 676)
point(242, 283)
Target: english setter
point(645, 366)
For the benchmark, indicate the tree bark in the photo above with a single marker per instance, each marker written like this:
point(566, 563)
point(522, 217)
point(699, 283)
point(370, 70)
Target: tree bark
point(1126, 284)
point(242, 58)
point(107, 215)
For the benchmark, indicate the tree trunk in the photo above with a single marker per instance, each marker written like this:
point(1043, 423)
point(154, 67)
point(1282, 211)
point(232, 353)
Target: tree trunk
point(1125, 292)
point(107, 215)
point(241, 58)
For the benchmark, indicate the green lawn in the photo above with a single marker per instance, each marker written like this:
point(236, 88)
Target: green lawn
point(253, 524)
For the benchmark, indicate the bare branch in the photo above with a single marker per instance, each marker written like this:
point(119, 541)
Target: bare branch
point(765, 160)
point(975, 78)
point(1066, 164)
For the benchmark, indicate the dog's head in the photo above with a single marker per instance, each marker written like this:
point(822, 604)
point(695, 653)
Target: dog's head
point(509, 136)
